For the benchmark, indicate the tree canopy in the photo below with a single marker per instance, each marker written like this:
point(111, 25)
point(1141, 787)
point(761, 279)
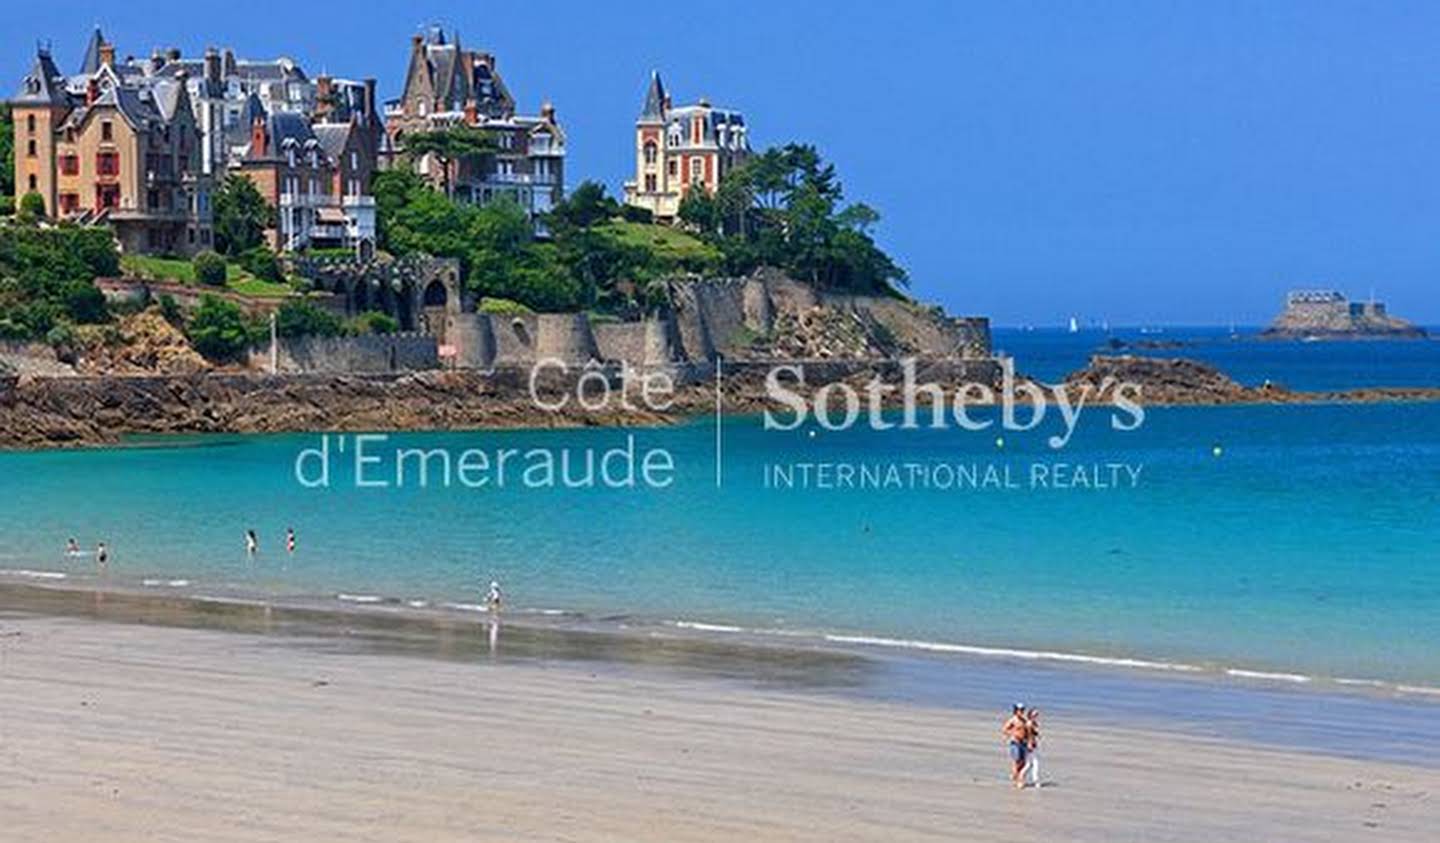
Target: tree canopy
point(47, 277)
point(784, 208)
point(241, 215)
point(448, 145)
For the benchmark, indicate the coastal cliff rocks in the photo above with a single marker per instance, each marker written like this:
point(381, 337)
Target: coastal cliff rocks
point(143, 343)
point(768, 315)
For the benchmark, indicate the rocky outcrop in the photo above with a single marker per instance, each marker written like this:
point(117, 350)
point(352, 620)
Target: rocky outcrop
point(768, 315)
point(1177, 381)
point(1328, 315)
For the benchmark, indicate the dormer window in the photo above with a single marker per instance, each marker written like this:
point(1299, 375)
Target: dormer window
point(107, 130)
point(290, 155)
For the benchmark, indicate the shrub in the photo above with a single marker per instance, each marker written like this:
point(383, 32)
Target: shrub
point(503, 307)
point(170, 309)
point(7, 206)
point(209, 268)
point(219, 330)
point(85, 303)
point(32, 208)
point(301, 318)
point(261, 263)
point(374, 322)
point(630, 213)
point(61, 337)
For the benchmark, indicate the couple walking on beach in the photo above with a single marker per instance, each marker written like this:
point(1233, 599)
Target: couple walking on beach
point(1022, 731)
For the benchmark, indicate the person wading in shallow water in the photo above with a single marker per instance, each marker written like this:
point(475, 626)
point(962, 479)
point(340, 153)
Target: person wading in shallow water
point(290, 540)
point(494, 598)
point(252, 542)
point(102, 554)
point(1017, 733)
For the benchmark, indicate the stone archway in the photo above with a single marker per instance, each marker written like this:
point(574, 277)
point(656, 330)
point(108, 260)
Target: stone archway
point(435, 295)
point(405, 306)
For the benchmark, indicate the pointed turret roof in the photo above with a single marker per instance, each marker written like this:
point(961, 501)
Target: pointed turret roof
point(91, 62)
point(654, 99)
point(44, 83)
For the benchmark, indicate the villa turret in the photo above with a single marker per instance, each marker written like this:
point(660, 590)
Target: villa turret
point(680, 148)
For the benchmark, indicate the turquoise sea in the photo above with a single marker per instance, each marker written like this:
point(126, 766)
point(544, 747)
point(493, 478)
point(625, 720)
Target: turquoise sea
point(1298, 542)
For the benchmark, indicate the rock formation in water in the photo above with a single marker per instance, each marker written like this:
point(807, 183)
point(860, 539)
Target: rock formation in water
point(1328, 315)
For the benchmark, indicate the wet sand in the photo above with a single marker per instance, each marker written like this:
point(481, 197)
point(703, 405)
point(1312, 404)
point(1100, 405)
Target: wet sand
point(155, 731)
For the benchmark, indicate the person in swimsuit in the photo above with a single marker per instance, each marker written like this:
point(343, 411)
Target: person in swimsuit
point(493, 599)
point(102, 554)
point(252, 542)
point(1032, 749)
point(72, 547)
point(1017, 734)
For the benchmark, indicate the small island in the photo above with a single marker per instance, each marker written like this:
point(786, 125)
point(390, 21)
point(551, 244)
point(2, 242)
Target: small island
point(1311, 315)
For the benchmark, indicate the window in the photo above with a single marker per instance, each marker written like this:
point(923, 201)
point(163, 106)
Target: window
point(697, 168)
point(290, 156)
point(672, 168)
point(107, 164)
point(70, 164)
point(107, 196)
point(32, 183)
point(107, 130)
point(650, 183)
point(354, 160)
point(30, 123)
point(30, 147)
point(69, 203)
point(650, 152)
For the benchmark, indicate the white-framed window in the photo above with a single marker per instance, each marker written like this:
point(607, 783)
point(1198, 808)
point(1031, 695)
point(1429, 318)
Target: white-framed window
point(697, 168)
point(652, 152)
point(354, 160)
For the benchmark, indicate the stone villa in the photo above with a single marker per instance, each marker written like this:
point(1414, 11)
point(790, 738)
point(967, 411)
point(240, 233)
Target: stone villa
point(677, 148)
point(448, 85)
point(141, 143)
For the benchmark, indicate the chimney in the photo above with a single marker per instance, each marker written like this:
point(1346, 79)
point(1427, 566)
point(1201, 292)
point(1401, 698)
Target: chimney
point(212, 67)
point(323, 91)
point(157, 60)
point(107, 55)
point(227, 63)
point(257, 138)
point(369, 104)
point(92, 91)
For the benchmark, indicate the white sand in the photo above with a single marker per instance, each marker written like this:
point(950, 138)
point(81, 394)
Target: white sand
point(114, 732)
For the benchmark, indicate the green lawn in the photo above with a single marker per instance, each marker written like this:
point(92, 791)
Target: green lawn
point(181, 271)
point(667, 242)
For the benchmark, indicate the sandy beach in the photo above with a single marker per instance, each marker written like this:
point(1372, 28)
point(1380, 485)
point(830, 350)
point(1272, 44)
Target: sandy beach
point(126, 731)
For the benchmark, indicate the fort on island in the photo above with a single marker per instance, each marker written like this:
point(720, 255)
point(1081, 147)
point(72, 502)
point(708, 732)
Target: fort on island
point(256, 189)
point(1328, 314)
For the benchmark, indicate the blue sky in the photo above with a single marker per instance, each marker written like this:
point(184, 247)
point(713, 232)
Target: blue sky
point(1141, 162)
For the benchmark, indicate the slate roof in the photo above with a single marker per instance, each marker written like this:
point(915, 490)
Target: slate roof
point(654, 110)
point(43, 84)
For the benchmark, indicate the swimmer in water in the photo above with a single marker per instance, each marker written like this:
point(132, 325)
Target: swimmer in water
point(290, 540)
point(72, 547)
point(102, 554)
point(493, 599)
point(252, 542)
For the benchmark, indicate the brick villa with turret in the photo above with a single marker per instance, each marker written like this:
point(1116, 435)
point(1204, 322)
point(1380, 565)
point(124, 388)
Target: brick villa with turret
point(677, 148)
